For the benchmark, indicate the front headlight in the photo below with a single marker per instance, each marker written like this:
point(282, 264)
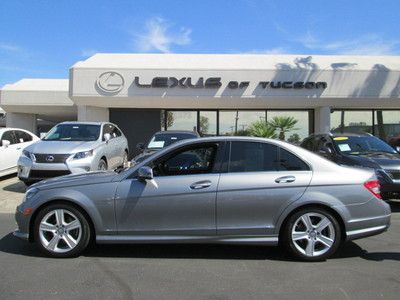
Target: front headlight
point(30, 193)
point(27, 154)
point(83, 154)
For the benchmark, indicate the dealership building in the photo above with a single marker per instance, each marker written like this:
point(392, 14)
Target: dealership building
point(215, 94)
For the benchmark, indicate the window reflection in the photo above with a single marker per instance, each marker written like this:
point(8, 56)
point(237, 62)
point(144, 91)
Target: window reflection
point(181, 120)
point(387, 126)
point(238, 122)
point(208, 123)
point(351, 121)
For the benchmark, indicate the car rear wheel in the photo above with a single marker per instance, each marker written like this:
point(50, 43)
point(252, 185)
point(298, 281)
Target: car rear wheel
point(312, 234)
point(61, 230)
point(102, 165)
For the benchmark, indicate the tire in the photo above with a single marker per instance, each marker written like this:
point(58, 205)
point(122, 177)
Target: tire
point(61, 230)
point(102, 166)
point(308, 242)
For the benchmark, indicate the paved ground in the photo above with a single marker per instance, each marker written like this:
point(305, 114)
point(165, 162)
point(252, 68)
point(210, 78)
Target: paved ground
point(11, 192)
point(366, 269)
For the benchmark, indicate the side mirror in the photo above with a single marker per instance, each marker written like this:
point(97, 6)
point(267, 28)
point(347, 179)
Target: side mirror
point(140, 146)
point(5, 143)
point(145, 173)
point(107, 137)
point(398, 149)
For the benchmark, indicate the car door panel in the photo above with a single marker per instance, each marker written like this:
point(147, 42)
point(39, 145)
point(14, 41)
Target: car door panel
point(249, 203)
point(167, 205)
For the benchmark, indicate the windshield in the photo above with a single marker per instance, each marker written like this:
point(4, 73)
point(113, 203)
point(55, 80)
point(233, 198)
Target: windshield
point(73, 132)
point(361, 145)
point(161, 140)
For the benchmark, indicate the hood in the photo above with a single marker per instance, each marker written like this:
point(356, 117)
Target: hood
point(60, 147)
point(76, 179)
point(375, 160)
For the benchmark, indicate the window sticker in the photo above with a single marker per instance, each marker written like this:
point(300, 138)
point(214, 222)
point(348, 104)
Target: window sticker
point(344, 147)
point(156, 144)
point(341, 138)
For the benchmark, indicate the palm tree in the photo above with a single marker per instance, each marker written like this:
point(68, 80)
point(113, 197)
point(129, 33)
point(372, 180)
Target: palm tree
point(283, 124)
point(261, 128)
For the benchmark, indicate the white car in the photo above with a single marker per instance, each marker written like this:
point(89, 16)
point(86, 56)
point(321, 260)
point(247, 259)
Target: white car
point(12, 142)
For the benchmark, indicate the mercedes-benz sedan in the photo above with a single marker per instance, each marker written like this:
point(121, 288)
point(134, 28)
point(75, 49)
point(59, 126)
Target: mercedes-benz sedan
point(209, 190)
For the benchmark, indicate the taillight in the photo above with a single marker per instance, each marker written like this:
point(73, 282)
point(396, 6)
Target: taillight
point(374, 187)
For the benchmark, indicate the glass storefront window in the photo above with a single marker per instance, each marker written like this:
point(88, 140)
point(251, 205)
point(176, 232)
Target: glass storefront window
point(351, 121)
point(181, 120)
point(208, 123)
point(238, 122)
point(387, 126)
point(291, 126)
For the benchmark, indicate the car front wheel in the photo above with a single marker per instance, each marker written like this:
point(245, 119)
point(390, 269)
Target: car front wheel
point(61, 230)
point(312, 234)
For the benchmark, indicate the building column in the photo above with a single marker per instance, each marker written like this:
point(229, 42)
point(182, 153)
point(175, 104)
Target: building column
point(93, 114)
point(322, 119)
point(24, 121)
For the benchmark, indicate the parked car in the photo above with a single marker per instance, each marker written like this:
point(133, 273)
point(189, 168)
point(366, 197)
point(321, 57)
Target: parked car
point(160, 140)
point(361, 150)
point(217, 190)
point(12, 142)
point(73, 147)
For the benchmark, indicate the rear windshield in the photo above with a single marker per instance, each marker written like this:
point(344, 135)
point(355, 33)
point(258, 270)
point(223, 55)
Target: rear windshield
point(73, 132)
point(161, 140)
point(361, 145)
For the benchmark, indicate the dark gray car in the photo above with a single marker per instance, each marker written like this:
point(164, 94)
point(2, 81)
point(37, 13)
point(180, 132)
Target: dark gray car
point(209, 190)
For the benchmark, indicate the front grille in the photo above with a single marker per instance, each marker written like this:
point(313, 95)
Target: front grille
point(394, 174)
point(51, 158)
point(47, 173)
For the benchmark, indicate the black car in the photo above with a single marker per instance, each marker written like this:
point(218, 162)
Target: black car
point(360, 150)
point(161, 140)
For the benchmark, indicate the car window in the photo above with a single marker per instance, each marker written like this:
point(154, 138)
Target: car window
point(198, 159)
point(252, 157)
point(262, 157)
point(73, 132)
point(22, 136)
point(161, 140)
point(290, 162)
point(111, 130)
point(9, 136)
point(116, 132)
point(358, 145)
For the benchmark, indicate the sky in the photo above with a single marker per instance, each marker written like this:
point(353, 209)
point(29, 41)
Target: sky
point(43, 39)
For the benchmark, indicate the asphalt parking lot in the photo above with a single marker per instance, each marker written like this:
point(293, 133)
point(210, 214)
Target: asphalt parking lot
point(367, 269)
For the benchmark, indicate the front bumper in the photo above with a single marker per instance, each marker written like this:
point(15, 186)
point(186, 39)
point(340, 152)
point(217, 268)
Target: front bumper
point(30, 171)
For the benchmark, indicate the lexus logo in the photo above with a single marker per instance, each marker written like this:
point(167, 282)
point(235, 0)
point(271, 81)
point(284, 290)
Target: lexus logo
point(50, 158)
point(110, 82)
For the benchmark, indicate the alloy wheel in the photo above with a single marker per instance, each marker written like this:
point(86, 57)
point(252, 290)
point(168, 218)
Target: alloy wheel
point(313, 234)
point(60, 231)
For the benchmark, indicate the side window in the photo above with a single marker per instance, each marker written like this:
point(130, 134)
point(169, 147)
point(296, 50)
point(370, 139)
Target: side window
point(290, 162)
point(307, 144)
point(115, 132)
point(107, 129)
point(23, 137)
point(9, 136)
point(194, 160)
point(252, 157)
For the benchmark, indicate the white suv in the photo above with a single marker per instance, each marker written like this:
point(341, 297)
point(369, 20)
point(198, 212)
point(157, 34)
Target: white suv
point(74, 147)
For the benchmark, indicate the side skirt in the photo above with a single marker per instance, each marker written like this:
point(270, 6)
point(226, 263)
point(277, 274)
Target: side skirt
point(149, 239)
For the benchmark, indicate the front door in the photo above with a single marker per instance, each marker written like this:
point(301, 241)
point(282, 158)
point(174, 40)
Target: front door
point(180, 200)
point(9, 154)
point(262, 179)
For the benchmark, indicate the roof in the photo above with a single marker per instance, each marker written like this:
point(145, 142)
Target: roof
point(29, 84)
point(177, 132)
point(238, 62)
point(83, 123)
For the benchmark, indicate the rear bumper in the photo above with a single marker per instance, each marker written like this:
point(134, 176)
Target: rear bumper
point(365, 232)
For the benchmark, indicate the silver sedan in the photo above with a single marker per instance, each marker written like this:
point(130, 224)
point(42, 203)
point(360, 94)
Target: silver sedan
point(209, 190)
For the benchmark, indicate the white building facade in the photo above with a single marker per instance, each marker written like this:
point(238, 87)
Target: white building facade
point(216, 94)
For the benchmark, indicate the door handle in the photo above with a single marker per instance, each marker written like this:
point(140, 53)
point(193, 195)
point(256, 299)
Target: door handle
point(285, 179)
point(200, 185)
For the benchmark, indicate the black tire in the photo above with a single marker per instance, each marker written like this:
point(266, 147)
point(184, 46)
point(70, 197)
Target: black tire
point(102, 166)
point(85, 235)
point(289, 243)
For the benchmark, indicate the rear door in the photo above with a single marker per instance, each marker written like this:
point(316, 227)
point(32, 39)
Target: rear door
point(9, 154)
point(261, 180)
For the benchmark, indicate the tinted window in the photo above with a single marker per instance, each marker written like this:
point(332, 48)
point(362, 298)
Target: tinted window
point(73, 132)
point(290, 162)
point(195, 160)
point(116, 132)
point(361, 145)
point(9, 136)
point(259, 157)
point(252, 157)
point(23, 137)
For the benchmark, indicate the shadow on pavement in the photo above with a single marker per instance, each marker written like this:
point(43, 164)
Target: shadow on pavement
point(17, 187)
point(12, 245)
